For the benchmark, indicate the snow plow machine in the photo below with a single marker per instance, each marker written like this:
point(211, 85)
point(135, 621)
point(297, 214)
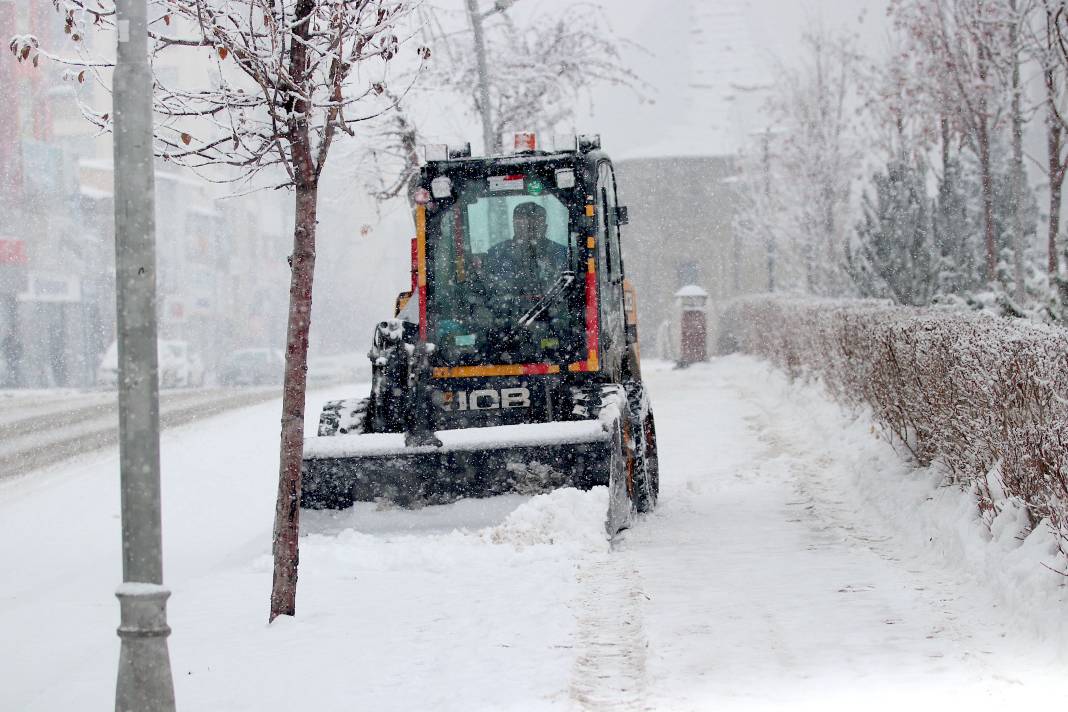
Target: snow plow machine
point(512, 365)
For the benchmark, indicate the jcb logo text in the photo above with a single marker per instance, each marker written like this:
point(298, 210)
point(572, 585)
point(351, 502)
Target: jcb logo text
point(487, 399)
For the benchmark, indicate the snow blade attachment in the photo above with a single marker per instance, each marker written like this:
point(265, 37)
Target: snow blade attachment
point(525, 459)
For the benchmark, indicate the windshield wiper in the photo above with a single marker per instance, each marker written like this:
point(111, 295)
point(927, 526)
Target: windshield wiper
point(558, 289)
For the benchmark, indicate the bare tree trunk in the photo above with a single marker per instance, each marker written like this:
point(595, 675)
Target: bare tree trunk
point(943, 125)
point(287, 507)
point(1054, 227)
point(1017, 158)
point(302, 271)
point(987, 185)
point(769, 236)
point(482, 97)
point(1053, 75)
point(942, 217)
point(808, 251)
point(1056, 182)
point(1058, 284)
point(828, 277)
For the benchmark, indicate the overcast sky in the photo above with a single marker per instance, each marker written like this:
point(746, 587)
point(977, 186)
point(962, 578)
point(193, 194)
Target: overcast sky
point(661, 29)
point(776, 27)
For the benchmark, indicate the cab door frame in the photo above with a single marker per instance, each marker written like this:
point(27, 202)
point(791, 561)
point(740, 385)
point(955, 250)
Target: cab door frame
point(610, 282)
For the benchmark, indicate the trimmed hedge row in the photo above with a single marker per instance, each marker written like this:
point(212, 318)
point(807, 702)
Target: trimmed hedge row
point(979, 394)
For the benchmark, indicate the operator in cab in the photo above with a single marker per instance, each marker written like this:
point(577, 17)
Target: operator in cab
point(530, 260)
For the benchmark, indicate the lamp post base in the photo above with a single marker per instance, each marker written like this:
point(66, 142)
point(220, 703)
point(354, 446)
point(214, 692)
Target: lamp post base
point(145, 683)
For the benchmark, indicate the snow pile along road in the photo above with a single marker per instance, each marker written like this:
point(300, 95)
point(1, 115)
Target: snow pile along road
point(795, 562)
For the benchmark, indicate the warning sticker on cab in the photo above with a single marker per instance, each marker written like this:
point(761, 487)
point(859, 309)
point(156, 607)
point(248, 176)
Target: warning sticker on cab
point(501, 184)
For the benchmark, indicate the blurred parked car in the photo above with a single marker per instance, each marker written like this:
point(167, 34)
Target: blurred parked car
point(179, 366)
point(252, 367)
point(329, 370)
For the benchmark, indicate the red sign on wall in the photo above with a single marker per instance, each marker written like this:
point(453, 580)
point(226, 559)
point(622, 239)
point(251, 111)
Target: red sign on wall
point(12, 252)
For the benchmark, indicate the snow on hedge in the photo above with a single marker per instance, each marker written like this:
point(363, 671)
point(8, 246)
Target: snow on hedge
point(986, 398)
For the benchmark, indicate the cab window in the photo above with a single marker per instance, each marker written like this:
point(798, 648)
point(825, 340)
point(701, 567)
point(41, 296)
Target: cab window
point(609, 227)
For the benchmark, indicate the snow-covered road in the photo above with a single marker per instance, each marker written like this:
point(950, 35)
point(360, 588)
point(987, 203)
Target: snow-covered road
point(794, 562)
point(41, 428)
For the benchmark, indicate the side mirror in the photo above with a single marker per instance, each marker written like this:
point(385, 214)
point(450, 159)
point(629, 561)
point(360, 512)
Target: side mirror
point(622, 215)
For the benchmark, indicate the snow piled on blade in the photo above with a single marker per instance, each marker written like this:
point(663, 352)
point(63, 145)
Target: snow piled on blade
point(567, 517)
point(377, 537)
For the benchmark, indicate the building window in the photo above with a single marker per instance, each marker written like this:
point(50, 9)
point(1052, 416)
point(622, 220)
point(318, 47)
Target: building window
point(687, 273)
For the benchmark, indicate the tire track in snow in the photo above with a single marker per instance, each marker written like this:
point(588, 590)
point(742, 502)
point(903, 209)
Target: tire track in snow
point(609, 671)
point(830, 515)
point(834, 520)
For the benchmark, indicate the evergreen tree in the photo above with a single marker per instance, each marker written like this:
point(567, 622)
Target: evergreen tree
point(1005, 228)
point(956, 228)
point(893, 254)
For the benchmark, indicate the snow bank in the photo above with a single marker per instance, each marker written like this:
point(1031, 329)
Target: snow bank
point(1006, 556)
point(984, 397)
point(970, 414)
point(1017, 563)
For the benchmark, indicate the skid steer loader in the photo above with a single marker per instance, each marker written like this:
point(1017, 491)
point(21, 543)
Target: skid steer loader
point(512, 365)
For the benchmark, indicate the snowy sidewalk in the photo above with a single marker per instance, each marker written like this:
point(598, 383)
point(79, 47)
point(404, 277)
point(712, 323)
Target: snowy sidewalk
point(772, 582)
point(794, 563)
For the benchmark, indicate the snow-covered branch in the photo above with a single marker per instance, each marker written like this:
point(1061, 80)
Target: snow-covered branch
point(245, 114)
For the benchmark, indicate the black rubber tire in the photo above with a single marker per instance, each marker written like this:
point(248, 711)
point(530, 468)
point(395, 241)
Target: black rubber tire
point(652, 459)
point(646, 476)
point(342, 417)
point(329, 419)
point(621, 503)
point(326, 493)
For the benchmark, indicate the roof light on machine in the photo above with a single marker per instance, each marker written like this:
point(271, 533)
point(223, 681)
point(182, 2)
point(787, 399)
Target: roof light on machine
point(436, 152)
point(522, 142)
point(441, 187)
point(589, 142)
point(445, 152)
point(525, 142)
point(565, 143)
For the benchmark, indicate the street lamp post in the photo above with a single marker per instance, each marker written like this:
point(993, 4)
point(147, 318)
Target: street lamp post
point(489, 139)
point(144, 675)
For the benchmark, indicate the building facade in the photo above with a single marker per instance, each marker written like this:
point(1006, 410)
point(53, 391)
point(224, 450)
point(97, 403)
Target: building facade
point(681, 187)
point(222, 274)
point(50, 263)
